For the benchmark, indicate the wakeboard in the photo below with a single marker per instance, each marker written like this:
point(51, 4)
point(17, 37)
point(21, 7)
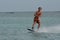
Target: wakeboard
point(30, 30)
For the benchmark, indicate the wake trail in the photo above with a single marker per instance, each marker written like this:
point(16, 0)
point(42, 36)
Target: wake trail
point(51, 29)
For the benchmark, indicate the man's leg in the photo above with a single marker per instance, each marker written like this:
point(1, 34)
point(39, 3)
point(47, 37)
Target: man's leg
point(33, 25)
point(38, 25)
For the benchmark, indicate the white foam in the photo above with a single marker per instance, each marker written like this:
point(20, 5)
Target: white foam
point(52, 29)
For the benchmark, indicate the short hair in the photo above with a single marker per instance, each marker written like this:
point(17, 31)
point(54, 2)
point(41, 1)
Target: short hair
point(40, 8)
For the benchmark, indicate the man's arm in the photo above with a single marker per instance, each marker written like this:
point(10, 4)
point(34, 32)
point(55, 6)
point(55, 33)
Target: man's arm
point(40, 14)
point(35, 14)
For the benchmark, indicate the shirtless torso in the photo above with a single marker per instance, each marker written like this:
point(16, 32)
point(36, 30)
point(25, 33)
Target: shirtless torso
point(36, 16)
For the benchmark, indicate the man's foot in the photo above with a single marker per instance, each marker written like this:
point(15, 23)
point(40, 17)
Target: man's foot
point(32, 28)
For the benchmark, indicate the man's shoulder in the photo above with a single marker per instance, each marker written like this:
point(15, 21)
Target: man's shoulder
point(36, 11)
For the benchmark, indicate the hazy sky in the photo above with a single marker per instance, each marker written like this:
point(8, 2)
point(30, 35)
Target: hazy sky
point(29, 5)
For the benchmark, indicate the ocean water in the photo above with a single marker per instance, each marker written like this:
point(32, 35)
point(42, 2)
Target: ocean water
point(13, 26)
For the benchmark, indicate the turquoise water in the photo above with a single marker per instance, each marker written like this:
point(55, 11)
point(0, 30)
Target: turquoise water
point(13, 26)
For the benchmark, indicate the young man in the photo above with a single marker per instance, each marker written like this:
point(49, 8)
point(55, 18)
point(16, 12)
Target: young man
point(36, 18)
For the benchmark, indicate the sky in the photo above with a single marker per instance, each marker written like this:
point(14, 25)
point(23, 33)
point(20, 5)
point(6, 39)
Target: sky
point(29, 5)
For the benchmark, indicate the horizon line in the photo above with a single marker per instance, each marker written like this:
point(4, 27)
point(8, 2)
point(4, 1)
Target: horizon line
point(32, 11)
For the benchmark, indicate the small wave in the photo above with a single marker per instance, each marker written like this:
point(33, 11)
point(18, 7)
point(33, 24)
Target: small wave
point(51, 29)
